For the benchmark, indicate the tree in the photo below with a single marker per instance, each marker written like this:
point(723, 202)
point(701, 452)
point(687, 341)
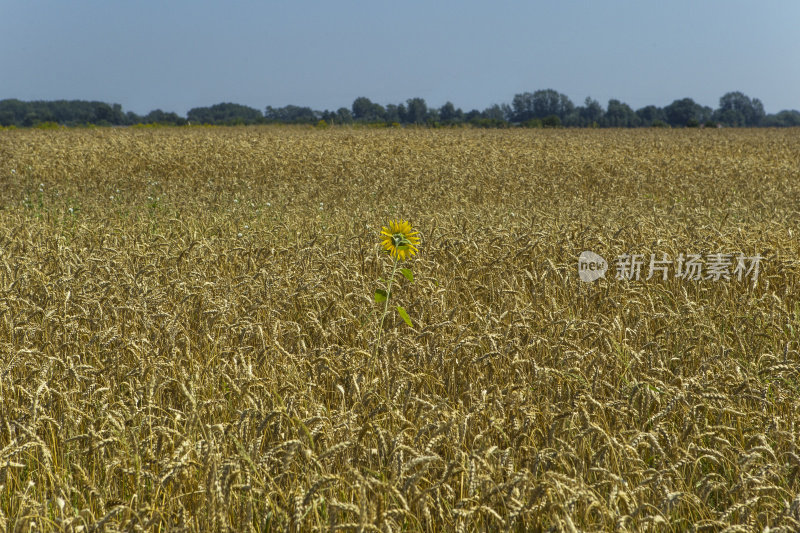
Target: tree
point(531, 109)
point(344, 116)
point(492, 117)
point(364, 110)
point(619, 115)
point(686, 111)
point(158, 116)
point(132, 118)
point(361, 107)
point(522, 107)
point(551, 121)
point(292, 114)
point(494, 112)
point(392, 114)
point(589, 114)
point(448, 114)
point(105, 114)
point(736, 109)
point(783, 119)
point(12, 111)
point(540, 104)
point(417, 111)
point(66, 112)
point(550, 102)
point(225, 113)
point(650, 115)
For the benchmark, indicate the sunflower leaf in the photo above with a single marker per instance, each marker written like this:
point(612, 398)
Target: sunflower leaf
point(381, 295)
point(405, 316)
point(408, 274)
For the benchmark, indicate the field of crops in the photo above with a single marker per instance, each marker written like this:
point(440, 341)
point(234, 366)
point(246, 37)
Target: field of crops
point(189, 338)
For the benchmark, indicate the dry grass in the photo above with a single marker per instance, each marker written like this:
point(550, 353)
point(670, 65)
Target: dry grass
point(186, 322)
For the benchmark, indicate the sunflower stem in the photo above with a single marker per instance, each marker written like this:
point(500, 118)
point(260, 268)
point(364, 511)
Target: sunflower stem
point(386, 304)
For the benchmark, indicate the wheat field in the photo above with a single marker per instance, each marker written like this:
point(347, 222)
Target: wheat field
point(188, 336)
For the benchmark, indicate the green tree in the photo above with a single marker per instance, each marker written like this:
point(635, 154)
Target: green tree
point(551, 121)
point(158, 116)
point(783, 119)
point(393, 114)
point(225, 113)
point(416, 112)
point(12, 111)
point(540, 104)
point(495, 112)
point(737, 109)
point(686, 111)
point(522, 107)
point(132, 118)
point(448, 114)
point(590, 113)
point(364, 110)
point(493, 116)
point(619, 115)
point(292, 114)
point(343, 116)
point(650, 115)
point(550, 102)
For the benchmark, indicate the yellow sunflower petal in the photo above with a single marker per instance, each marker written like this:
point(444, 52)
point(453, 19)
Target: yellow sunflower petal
point(410, 237)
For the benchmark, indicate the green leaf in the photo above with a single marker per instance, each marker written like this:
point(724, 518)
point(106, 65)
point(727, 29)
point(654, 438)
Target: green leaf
point(405, 316)
point(381, 295)
point(408, 274)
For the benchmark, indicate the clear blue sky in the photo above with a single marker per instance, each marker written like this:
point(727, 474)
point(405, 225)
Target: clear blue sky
point(179, 54)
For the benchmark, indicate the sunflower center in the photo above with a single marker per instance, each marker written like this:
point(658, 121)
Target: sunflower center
point(400, 241)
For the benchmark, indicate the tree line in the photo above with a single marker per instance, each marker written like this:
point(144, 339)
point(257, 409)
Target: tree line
point(542, 108)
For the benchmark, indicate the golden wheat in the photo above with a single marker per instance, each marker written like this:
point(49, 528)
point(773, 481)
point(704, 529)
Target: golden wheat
point(186, 329)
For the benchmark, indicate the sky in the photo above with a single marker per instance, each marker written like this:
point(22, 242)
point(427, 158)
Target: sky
point(178, 54)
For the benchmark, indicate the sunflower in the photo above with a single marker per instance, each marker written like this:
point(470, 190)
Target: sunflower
point(399, 239)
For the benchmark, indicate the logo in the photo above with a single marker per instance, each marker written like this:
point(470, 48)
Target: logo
point(591, 266)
